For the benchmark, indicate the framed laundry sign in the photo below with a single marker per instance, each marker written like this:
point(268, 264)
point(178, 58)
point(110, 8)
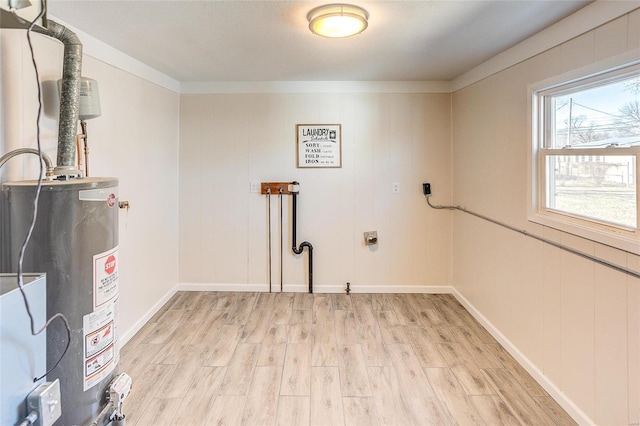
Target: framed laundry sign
point(319, 145)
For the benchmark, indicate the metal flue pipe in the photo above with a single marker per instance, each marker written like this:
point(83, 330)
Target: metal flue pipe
point(69, 96)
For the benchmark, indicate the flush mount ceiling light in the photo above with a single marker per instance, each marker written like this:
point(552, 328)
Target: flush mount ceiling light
point(337, 20)
point(18, 4)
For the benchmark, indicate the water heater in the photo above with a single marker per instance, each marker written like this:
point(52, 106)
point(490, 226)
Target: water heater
point(75, 241)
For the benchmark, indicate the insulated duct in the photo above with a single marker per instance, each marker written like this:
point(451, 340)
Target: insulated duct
point(69, 97)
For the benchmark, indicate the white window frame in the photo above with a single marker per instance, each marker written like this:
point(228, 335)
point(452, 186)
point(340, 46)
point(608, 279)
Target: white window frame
point(621, 237)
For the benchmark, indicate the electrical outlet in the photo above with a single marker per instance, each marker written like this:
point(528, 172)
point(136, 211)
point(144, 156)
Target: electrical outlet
point(395, 188)
point(45, 400)
point(426, 189)
point(255, 186)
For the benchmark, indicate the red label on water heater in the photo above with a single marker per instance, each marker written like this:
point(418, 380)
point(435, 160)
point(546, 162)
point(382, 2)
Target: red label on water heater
point(105, 277)
point(100, 345)
point(110, 265)
point(111, 201)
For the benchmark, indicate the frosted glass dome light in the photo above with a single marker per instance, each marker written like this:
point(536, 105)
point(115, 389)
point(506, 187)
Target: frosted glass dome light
point(337, 20)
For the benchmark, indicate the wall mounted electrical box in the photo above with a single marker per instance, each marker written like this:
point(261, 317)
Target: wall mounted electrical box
point(46, 401)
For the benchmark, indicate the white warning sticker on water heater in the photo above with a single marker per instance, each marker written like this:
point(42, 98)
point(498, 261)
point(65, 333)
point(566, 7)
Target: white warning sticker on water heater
point(105, 278)
point(108, 195)
point(100, 345)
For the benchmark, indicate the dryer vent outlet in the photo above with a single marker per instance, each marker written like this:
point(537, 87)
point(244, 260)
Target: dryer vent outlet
point(371, 238)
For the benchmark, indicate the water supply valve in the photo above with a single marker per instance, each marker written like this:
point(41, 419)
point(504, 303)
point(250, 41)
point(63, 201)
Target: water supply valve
point(275, 188)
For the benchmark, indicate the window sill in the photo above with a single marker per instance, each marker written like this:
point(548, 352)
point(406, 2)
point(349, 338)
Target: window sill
point(621, 239)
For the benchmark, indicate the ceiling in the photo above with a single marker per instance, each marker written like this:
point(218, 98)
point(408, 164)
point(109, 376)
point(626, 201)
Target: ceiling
point(213, 41)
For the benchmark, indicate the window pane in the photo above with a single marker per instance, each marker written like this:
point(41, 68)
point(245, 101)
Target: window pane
point(602, 115)
point(596, 187)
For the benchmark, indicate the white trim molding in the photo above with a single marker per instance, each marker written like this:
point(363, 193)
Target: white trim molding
point(101, 51)
point(222, 287)
point(126, 336)
point(317, 288)
point(584, 20)
point(227, 87)
point(569, 406)
point(624, 65)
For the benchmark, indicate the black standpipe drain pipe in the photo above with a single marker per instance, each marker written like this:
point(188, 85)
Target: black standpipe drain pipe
point(307, 244)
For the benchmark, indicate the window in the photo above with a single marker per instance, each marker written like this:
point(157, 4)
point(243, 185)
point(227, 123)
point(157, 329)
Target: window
point(586, 146)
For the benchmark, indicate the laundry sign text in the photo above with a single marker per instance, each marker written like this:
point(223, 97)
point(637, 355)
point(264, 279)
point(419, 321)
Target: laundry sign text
point(319, 145)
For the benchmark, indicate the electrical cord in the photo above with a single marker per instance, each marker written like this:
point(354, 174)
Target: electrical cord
point(30, 419)
point(35, 210)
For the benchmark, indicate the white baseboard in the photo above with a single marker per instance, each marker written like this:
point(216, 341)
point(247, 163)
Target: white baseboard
point(303, 288)
point(260, 288)
point(125, 337)
point(427, 289)
point(222, 287)
point(569, 406)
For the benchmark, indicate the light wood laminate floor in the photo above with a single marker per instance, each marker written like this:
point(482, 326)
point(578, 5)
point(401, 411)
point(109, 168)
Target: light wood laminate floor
point(209, 358)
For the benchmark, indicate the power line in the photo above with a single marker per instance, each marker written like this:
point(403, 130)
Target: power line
point(597, 110)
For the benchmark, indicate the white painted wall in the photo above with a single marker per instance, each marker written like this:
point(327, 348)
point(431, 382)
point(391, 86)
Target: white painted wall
point(135, 140)
point(229, 140)
point(577, 323)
